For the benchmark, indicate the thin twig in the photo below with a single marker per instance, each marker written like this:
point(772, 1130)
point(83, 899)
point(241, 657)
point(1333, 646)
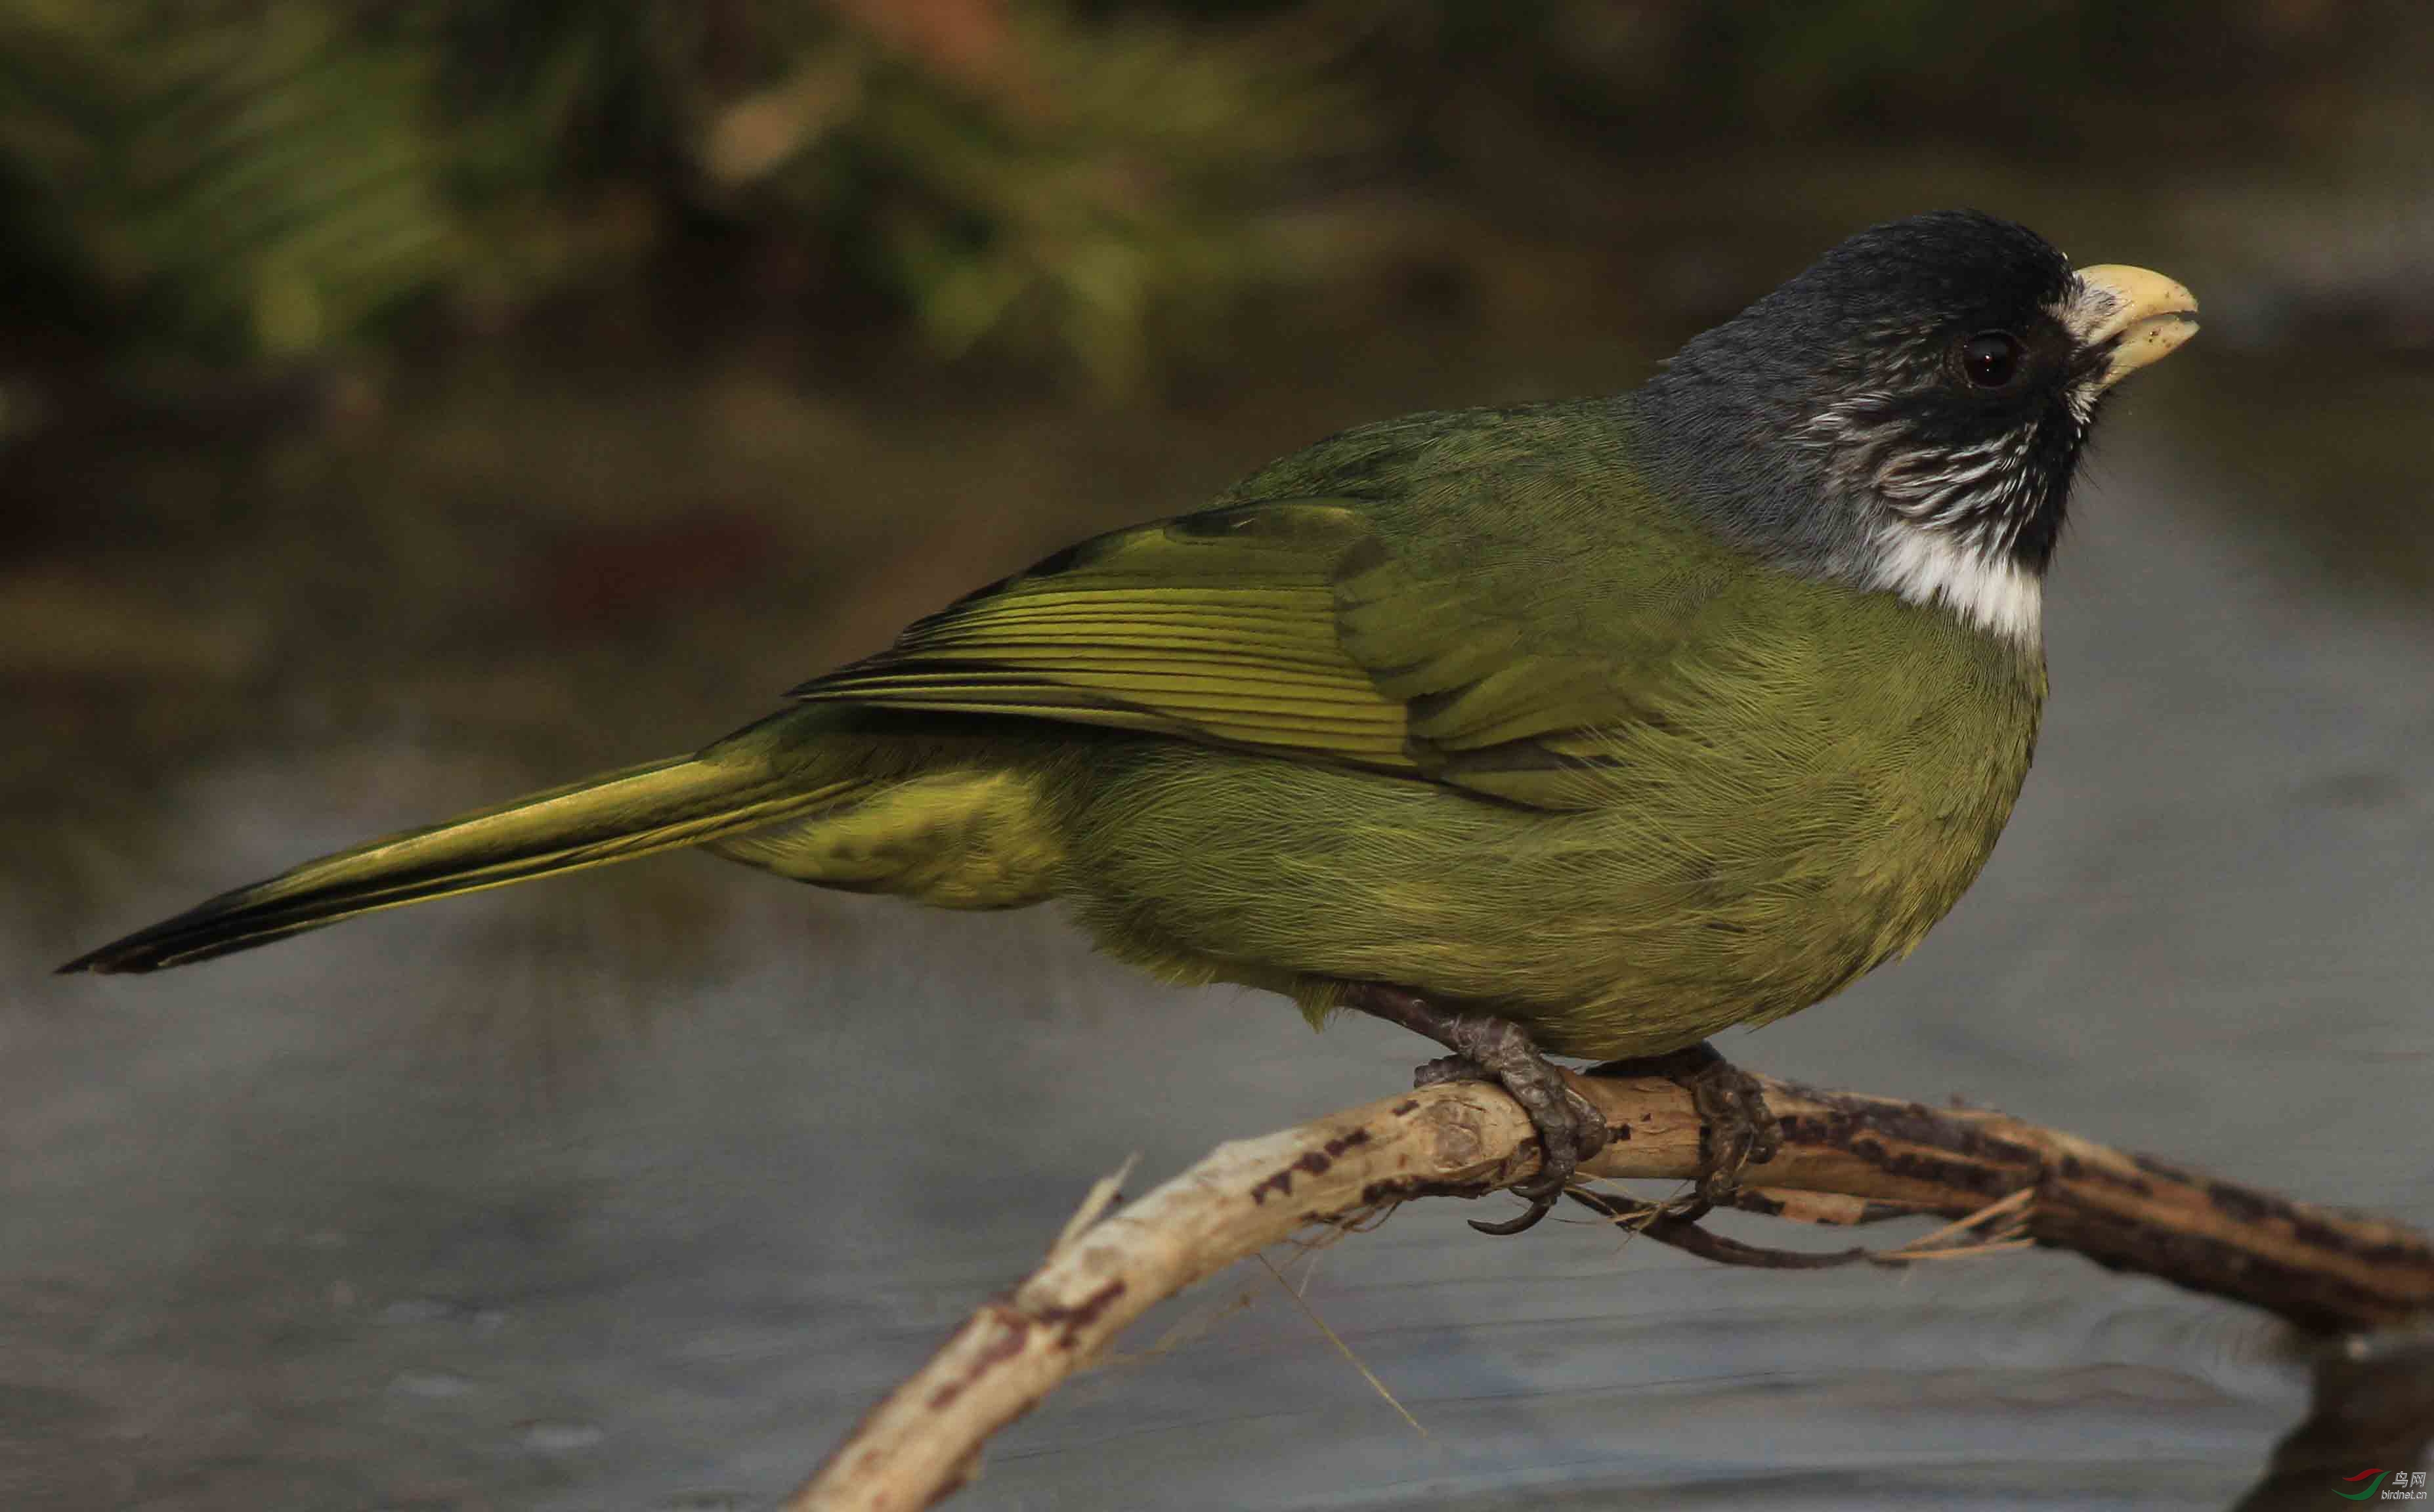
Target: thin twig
point(2015, 1204)
point(1341, 1348)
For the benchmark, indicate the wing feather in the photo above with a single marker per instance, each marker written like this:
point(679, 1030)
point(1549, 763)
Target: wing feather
point(1285, 627)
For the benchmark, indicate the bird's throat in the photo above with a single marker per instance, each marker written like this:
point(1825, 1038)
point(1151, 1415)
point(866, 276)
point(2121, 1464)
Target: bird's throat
point(1990, 590)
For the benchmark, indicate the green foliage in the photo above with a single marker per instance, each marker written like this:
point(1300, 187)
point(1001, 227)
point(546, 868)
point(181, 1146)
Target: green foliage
point(268, 178)
point(243, 180)
point(1110, 175)
point(257, 187)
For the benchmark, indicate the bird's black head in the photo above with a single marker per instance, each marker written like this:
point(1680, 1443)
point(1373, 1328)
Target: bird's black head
point(1908, 413)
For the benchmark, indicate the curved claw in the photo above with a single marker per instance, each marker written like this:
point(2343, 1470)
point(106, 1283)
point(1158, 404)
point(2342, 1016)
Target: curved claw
point(1541, 1203)
point(1488, 1048)
point(1570, 1128)
point(1736, 1127)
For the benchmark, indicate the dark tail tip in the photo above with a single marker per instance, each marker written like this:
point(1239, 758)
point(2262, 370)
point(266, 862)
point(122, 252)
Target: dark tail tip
point(222, 927)
point(131, 954)
point(233, 921)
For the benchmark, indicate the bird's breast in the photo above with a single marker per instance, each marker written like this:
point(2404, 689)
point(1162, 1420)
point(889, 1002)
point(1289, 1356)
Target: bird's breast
point(1790, 813)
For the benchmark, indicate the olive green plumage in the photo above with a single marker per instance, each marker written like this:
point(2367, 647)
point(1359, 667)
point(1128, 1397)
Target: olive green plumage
point(1625, 719)
point(1442, 731)
point(1628, 807)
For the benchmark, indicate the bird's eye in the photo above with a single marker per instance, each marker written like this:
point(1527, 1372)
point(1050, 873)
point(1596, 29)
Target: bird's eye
point(1991, 357)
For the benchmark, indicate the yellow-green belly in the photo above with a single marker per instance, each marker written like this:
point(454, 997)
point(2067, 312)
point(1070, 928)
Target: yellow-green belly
point(1717, 879)
point(1783, 824)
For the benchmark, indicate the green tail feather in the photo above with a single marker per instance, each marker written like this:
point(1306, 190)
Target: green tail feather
point(614, 817)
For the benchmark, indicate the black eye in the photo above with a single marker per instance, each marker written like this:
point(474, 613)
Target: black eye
point(1991, 357)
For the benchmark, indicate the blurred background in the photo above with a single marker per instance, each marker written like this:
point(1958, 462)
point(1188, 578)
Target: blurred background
point(404, 406)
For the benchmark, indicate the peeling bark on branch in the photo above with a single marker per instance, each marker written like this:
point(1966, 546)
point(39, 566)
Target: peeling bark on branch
point(1845, 1158)
point(2320, 1270)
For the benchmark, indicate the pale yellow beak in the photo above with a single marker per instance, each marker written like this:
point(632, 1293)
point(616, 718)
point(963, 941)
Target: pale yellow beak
point(2144, 314)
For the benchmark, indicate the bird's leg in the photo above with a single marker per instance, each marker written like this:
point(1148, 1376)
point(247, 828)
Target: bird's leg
point(1736, 1129)
point(1488, 1048)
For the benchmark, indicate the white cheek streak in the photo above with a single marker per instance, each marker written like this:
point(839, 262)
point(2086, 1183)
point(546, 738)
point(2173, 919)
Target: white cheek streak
point(1986, 588)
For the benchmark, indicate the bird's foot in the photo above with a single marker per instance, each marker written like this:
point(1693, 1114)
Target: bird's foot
point(1488, 1048)
point(1736, 1129)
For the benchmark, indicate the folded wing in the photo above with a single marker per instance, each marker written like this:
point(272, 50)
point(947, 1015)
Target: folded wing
point(1286, 627)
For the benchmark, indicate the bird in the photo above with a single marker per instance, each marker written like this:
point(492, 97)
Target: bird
point(1586, 728)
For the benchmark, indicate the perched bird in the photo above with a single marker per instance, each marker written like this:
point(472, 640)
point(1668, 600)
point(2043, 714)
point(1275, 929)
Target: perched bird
point(1585, 728)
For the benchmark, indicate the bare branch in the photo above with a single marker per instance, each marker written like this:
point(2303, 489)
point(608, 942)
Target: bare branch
point(1845, 1160)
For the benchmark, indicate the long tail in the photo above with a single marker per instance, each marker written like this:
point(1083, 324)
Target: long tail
point(613, 817)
